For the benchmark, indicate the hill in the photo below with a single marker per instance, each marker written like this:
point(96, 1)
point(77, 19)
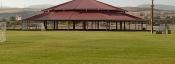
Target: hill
point(159, 6)
point(136, 9)
point(42, 6)
point(6, 13)
point(35, 9)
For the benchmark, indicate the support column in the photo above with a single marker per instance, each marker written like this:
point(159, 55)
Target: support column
point(120, 25)
point(109, 25)
point(84, 25)
point(129, 25)
point(29, 25)
point(87, 25)
point(92, 24)
point(68, 25)
point(135, 25)
point(45, 24)
point(54, 25)
point(95, 25)
point(116, 25)
point(73, 25)
point(106, 25)
point(138, 26)
point(98, 25)
point(141, 25)
point(124, 25)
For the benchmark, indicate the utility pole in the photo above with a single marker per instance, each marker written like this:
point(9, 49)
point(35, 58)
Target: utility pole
point(152, 17)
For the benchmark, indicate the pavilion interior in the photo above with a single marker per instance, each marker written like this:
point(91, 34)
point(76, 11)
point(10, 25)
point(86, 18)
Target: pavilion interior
point(85, 25)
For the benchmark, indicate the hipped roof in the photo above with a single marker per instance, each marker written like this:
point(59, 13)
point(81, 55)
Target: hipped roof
point(84, 10)
point(84, 5)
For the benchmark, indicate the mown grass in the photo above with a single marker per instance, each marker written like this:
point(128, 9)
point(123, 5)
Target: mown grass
point(76, 47)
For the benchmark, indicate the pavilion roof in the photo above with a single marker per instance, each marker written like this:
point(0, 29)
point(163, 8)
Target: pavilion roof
point(84, 10)
point(74, 15)
point(84, 5)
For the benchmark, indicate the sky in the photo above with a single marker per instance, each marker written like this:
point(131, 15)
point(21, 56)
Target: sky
point(120, 3)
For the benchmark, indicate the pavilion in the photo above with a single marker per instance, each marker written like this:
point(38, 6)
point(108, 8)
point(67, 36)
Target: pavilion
point(85, 15)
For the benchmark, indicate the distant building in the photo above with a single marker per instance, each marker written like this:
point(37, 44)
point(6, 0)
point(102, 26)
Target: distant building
point(18, 18)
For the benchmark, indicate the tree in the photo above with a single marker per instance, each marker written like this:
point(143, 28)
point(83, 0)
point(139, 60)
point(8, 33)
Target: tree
point(146, 17)
point(142, 14)
point(12, 18)
point(168, 17)
point(157, 17)
point(12, 21)
point(173, 19)
point(4, 20)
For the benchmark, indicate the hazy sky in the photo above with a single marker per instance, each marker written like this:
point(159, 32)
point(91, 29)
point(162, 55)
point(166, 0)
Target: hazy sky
point(25, 3)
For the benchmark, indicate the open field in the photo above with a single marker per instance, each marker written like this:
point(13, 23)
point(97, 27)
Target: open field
point(76, 47)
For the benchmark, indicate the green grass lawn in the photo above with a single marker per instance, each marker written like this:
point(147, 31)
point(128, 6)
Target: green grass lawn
point(61, 47)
